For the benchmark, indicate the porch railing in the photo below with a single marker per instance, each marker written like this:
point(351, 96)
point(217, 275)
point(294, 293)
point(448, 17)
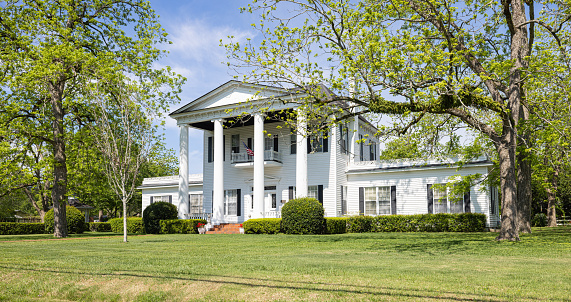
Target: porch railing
point(205, 216)
point(273, 214)
point(269, 155)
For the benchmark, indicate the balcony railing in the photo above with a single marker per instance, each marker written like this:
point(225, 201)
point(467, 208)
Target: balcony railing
point(269, 155)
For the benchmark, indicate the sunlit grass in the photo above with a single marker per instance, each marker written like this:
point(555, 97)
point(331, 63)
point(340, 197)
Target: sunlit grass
point(379, 266)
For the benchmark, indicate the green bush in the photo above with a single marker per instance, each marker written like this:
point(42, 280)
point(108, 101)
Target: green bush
point(539, 220)
point(100, 226)
point(359, 224)
point(465, 222)
point(156, 212)
point(262, 226)
point(15, 228)
point(180, 226)
point(336, 225)
point(75, 221)
point(134, 225)
point(302, 216)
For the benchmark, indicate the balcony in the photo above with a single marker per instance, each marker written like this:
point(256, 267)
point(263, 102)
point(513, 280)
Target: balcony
point(271, 158)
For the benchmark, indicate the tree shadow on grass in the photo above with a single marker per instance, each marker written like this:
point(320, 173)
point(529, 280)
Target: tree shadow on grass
point(304, 286)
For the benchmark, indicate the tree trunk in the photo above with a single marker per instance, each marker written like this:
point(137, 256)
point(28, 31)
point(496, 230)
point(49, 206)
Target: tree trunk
point(508, 185)
point(59, 167)
point(41, 211)
point(552, 200)
point(124, 221)
point(524, 196)
point(100, 215)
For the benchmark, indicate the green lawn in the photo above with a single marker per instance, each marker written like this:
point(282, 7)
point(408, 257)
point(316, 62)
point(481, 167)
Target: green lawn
point(372, 266)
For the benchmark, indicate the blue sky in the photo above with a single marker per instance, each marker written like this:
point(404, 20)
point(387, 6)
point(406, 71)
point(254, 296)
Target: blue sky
point(195, 27)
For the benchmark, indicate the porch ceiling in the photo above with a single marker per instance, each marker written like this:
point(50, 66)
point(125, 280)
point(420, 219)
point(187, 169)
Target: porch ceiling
point(274, 117)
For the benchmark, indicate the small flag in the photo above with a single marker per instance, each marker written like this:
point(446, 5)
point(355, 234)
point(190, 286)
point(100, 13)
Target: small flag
point(248, 150)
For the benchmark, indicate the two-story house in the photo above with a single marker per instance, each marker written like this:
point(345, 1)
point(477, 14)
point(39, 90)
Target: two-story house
point(254, 162)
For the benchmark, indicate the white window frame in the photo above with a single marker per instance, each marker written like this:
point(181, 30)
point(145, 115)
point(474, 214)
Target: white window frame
point(230, 197)
point(382, 194)
point(161, 198)
point(196, 204)
point(446, 194)
point(312, 192)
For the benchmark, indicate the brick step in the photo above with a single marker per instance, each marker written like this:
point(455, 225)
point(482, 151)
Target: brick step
point(225, 228)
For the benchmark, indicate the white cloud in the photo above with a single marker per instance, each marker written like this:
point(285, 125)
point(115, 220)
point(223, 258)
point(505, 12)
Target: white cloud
point(199, 41)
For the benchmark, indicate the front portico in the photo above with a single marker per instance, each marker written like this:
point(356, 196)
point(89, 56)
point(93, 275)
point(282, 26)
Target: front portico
point(242, 108)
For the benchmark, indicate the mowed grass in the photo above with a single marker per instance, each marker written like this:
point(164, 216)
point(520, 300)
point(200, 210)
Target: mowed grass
point(372, 266)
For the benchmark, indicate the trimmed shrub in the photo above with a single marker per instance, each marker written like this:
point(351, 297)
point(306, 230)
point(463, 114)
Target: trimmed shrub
point(464, 222)
point(180, 226)
point(75, 221)
point(262, 226)
point(100, 226)
point(15, 228)
point(539, 220)
point(134, 225)
point(336, 225)
point(302, 216)
point(156, 212)
point(360, 224)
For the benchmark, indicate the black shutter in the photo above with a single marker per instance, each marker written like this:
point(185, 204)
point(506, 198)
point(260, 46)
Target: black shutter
point(342, 202)
point(212, 203)
point(308, 139)
point(320, 193)
point(223, 147)
point(151, 199)
point(276, 143)
point(467, 202)
point(290, 192)
point(210, 153)
point(325, 143)
point(170, 198)
point(394, 200)
point(239, 202)
point(249, 143)
point(361, 200)
point(429, 197)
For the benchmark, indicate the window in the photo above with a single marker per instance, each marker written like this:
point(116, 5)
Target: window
point(274, 200)
point(344, 139)
point(445, 202)
point(313, 192)
point(440, 201)
point(378, 201)
point(196, 204)
point(343, 200)
point(231, 202)
point(373, 151)
point(293, 142)
point(210, 150)
point(163, 198)
point(361, 147)
point(235, 143)
point(317, 143)
point(271, 143)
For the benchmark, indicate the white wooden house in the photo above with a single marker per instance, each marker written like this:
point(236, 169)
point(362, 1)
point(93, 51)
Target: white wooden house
point(340, 169)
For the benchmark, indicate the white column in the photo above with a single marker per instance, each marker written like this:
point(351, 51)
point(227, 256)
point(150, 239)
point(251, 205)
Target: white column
point(301, 156)
point(183, 173)
point(258, 166)
point(218, 183)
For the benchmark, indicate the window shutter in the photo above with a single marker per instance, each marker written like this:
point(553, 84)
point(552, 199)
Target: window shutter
point(290, 192)
point(249, 143)
point(276, 143)
point(430, 198)
point(394, 200)
point(151, 199)
point(320, 193)
point(293, 143)
point(210, 153)
point(308, 140)
point(170, 198)
point(325, 142)
point(224, 147)
point(361, 200)
point(212, 203)
point(467, 202)
point(239, 202)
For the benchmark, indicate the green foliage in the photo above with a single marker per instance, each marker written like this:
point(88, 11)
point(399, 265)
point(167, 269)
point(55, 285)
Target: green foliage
point(262, 226)
point(539, 220)
point(100, 227)
point(15, 228)
point(156, 212)
point(75, 220)
point(302, 216)
point(464, 222)
point(180, 226)
point(134, 225)
point(335, 225)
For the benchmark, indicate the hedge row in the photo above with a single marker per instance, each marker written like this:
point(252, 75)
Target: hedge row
point(465, 222)
point(180, 226)
point(16, 228)
point(134, 225)
point(100, 226)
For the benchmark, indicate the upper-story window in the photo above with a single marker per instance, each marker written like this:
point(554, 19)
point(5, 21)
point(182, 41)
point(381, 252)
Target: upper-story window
point(373, 151)
point(344, 139)
point(271, 143)
point(235, 143)
point(318, 143)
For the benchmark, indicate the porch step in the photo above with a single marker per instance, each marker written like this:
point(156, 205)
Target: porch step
point(225, 228)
